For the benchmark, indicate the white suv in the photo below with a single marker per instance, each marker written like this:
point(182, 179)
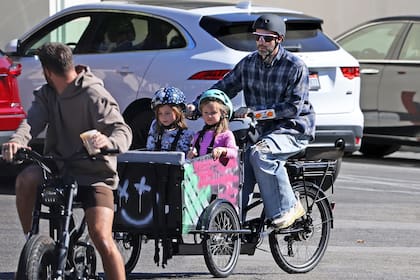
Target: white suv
point(191, 49)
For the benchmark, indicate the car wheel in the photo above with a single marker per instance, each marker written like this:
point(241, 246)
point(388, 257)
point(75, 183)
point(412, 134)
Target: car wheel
point(378, 150)
point(139, 121)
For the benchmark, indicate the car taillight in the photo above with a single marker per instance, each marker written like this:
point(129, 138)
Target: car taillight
point(15, 69)
point(9, 90)
point(350, 72)
point(209, 75)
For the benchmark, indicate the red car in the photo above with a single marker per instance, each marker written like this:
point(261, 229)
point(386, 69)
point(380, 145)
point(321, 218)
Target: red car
point(11, 110)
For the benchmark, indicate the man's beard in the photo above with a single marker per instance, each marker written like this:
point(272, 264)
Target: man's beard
point(265, 52)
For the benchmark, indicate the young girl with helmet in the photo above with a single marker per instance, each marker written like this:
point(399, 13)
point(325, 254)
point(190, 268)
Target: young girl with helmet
point(168, 131)
point(215, 138)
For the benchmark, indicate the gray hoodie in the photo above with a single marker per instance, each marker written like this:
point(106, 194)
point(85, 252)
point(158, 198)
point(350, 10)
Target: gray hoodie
point(85, 104)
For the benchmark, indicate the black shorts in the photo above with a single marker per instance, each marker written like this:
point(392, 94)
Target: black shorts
point(91, 196)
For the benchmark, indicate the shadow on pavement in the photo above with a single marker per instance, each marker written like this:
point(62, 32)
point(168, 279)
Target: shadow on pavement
point(397, 159)
point(7, 187)
point(178, 275)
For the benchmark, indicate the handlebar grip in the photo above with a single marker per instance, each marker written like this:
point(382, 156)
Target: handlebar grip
point(110, 151)
point(22, 154)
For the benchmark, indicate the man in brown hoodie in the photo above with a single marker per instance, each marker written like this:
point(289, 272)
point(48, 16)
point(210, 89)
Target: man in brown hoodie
point(73, 101)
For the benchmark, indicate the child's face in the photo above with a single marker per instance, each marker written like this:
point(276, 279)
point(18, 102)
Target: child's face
point(211, 112)
point(166, 115)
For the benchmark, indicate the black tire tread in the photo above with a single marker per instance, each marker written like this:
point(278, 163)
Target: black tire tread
point(313, 260)
point(32, 254)
point(214, 269)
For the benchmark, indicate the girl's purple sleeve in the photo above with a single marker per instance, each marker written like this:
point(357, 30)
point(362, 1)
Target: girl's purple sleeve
point(230, 144)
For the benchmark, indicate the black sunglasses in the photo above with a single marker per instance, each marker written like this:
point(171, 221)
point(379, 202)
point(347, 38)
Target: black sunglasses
point(266, 38)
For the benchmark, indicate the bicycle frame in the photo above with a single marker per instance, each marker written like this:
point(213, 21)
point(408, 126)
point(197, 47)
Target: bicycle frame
point(55, 203)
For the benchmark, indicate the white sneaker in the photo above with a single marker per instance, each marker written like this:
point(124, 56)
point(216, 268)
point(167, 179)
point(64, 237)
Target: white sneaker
point(290, 216)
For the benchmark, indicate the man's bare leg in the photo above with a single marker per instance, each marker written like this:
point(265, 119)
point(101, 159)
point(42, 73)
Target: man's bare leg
point(26, 185)
point(99, 220)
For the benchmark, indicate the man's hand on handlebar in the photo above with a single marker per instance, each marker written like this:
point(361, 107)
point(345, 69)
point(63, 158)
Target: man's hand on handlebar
point(242, 112)
point(9, 150)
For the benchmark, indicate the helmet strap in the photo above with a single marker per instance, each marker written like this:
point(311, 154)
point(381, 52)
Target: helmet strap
point(171, 126)
point(210, 126)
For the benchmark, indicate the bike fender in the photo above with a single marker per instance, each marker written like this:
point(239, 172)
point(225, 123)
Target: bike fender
point(203, 221)
point(322, 195)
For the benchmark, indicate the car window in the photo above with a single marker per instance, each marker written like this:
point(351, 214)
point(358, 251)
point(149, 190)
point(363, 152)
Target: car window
point(372, 42)
point(68, 33)
point(122, 32)
point(108, 32)
point(311, 40)
point(303, 37)
point(411, 47)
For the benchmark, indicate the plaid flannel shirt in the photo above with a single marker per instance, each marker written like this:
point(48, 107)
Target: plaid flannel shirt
point(282, 85)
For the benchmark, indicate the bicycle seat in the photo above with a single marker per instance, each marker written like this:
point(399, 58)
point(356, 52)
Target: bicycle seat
point(300, 155)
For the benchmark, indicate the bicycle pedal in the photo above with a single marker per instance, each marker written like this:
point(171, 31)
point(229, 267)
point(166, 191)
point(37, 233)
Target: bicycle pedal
point(267, 232)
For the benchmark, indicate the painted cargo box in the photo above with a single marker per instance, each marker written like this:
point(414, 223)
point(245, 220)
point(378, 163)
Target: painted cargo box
point(161, 193)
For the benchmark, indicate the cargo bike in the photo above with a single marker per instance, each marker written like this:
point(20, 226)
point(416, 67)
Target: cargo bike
point(193, 207)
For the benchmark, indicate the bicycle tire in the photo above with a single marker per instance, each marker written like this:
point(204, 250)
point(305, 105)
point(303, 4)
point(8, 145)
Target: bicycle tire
point(221, 250)
point(129, 245)
point(37, 260)
point(299, 248)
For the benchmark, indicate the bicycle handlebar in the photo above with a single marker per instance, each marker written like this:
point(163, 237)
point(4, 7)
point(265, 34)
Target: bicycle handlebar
point(25, 154)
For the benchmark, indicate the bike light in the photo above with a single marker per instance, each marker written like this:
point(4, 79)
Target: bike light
point(51, 196)
point(265, 114)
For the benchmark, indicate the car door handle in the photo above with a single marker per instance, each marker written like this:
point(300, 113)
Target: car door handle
point(369, 71)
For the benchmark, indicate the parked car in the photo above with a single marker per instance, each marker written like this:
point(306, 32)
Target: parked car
point(11, 109)
point(388, 50)
point(137, 49)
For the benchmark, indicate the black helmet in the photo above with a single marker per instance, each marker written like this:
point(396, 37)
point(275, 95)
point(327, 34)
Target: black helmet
point(270, 22)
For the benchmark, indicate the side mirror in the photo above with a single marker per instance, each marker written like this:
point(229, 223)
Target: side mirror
point(11, 48)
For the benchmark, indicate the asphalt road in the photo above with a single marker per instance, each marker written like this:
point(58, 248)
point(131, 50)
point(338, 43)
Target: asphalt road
point(376, 233)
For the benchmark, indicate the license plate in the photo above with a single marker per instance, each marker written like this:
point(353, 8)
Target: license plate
point(314, 82)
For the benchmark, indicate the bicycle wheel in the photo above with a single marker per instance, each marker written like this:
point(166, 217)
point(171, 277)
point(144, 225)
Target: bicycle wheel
point(299, 248)
point(129, 245)
point(38, 259)
point(221, 250)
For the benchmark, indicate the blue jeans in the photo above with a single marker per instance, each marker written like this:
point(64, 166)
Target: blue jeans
point(264, 164)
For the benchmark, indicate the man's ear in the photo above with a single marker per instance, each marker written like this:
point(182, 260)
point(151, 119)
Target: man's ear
point(47, 72)
point(281, 39)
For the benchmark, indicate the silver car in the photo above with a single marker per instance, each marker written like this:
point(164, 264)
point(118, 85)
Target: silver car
point(388, 50)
